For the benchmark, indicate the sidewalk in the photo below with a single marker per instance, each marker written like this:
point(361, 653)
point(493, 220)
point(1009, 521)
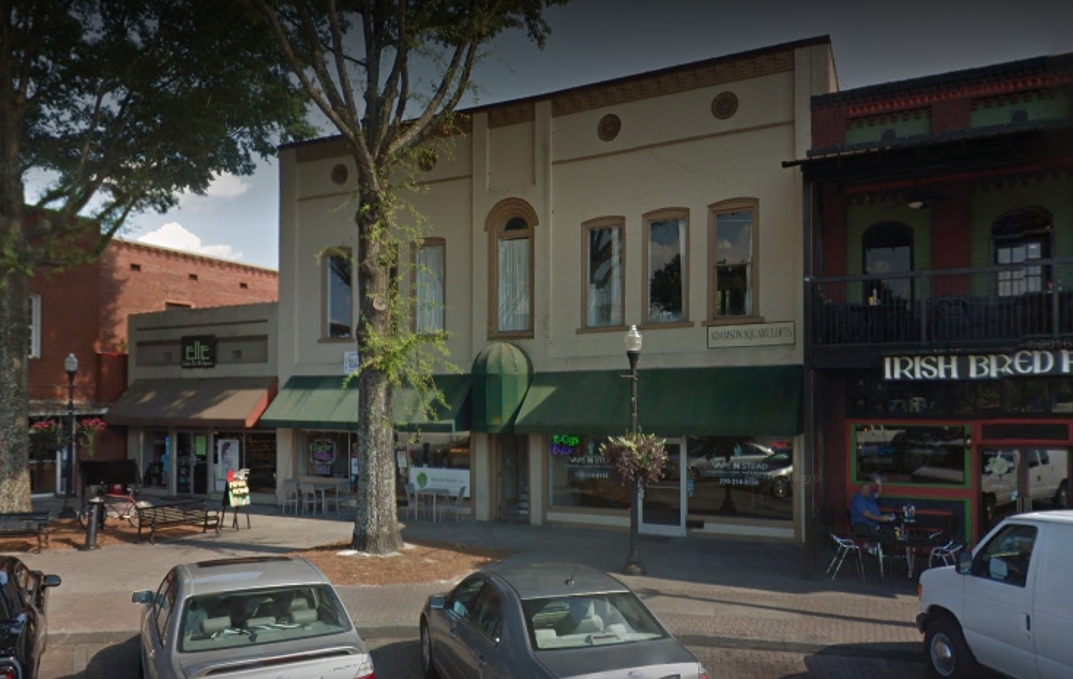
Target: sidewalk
point(712, 592)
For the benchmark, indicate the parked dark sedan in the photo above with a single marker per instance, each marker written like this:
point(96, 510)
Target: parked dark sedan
point(546, 621)
point(23, 600)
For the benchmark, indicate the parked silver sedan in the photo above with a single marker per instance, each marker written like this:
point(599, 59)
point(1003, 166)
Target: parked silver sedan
point(547, 620)
point(249, 618)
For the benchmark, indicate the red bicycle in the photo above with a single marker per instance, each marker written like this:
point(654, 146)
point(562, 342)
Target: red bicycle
point(119, 503)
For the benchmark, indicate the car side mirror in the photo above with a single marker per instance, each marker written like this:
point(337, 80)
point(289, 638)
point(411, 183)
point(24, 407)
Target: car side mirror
point(144, 596)
point(51, 581)
point(437, 601)
point(965, 563)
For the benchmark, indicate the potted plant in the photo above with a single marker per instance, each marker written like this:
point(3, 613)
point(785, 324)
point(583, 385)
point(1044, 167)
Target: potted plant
point(88, 431)
point(47, 437)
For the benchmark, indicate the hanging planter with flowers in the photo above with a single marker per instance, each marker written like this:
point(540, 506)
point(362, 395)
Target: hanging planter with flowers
point(636, 457)
point(88, 431)
point(47, 437)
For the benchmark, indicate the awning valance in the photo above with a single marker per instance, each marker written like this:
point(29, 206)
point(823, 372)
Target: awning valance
point(733, 401)
point(214, 402)
point(321, 402)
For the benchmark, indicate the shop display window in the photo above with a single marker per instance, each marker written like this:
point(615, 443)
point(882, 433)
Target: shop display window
point(742, 477)
point(157, 460)
point(579, 476)
point(911, 453)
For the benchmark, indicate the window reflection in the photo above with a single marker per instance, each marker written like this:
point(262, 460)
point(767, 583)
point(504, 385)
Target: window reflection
point(740, 476)
point(911, 453)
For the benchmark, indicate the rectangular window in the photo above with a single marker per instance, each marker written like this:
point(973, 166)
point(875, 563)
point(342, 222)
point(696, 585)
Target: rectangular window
point(338, 296)
point(747, 477)
point(579, 476)
point(429, 270)
point(664, 268)
point(35, 326)
point(731, 275)
point(911, 454)
point(514, 278)
point(603, 274)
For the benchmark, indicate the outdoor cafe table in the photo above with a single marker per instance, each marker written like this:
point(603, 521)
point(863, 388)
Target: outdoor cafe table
point(433, 493)
point(909, 544)
point(323, 484)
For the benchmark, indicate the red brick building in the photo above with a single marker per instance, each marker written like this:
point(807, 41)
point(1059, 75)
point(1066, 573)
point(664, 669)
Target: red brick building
point(940, 241)
point(84, 311)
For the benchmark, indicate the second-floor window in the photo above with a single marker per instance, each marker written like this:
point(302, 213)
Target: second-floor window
point(887, 252)
point(732, 252)
point(665, 267)
point(35, 326)
point(603, 272)
point(338, 294)
point(429, 270)
point(1019, 237)
point(511, 227)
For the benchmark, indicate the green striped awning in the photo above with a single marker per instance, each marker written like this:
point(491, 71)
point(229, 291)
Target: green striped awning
point(321, 402)
point(732, 401)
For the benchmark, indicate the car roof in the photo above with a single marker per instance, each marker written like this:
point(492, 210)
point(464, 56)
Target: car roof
point(1051, 516)
point(224, 575)
point(533, 581)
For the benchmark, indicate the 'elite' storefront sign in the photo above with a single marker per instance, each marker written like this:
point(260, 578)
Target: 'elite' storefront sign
point(751, 335)
point(198, 351)
point(978, 366)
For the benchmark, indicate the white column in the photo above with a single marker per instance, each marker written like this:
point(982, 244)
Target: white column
point(538, 484)
point(482, 466)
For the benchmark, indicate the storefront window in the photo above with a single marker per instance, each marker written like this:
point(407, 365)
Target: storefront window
point(905, 453)
point(156, 462)
point(260, 458)
point(580, 476)
point(744, 477)
point(328, 453)
point(436, 461)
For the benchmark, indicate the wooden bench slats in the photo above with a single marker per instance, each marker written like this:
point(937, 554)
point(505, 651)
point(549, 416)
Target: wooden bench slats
point(26, 523)
point(186, 512)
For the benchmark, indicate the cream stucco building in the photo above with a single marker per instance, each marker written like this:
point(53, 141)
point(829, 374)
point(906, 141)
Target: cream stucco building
point(557, 222)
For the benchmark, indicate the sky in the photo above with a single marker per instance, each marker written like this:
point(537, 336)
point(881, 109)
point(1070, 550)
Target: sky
point(594, 40)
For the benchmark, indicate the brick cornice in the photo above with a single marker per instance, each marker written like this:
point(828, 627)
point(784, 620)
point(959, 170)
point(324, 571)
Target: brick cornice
point(201, 260)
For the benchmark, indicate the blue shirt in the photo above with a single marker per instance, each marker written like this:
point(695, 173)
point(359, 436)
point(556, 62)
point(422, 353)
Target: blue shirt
point(861, 504)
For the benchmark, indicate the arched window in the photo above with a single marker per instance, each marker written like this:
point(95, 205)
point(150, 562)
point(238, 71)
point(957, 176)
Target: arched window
point(887, 248)
point(1018, 236)
point(510, 227)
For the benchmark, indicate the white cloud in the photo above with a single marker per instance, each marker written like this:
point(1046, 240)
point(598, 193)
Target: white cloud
point(173, 235)
point(225, 186)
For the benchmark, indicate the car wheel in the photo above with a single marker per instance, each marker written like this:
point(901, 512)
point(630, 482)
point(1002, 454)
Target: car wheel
point(428, 667)
point(1061, 498)
point(781, 488)
point(948, 656)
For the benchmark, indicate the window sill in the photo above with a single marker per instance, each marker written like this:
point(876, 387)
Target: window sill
point(602, 329)
point(510, 335)
point(336, 340)
point(737, 320)
point(662, 326)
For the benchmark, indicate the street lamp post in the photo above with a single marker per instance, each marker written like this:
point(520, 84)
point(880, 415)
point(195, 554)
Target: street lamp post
point(70, 365)
point(633, 353)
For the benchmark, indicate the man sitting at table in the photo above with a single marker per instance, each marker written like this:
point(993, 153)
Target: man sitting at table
point(864, 515)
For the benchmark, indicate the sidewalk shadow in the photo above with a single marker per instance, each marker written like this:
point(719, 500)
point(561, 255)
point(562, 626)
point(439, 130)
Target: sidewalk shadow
point(116, 660)
point(876, 661)
point(401, 658)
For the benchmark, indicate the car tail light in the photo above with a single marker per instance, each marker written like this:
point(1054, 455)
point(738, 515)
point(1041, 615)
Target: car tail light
point(702, 674)
point(7, 673)
point(365, 670)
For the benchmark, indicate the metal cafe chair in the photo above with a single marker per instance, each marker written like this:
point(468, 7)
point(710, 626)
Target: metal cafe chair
point(844, 547)
point(290, 496)
point(412, 507)
point(947, 553)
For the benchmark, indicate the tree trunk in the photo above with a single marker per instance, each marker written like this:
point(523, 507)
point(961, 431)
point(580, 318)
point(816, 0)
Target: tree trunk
point(376, 524)
point(14, 404)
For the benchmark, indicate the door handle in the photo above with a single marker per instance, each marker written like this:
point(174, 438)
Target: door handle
point(480, 659)
point(1028, 622)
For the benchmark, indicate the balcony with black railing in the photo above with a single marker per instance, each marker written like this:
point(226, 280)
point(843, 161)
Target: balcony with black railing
point(991, 306)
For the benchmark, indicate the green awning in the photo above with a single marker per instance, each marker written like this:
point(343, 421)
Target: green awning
point(320, 402)
point(738, 401)
point(501, 376)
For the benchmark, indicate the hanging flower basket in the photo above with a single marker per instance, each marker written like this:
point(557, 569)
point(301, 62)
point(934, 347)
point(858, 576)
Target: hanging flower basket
point(47, 437)
point(636, 457)
point(88, 431)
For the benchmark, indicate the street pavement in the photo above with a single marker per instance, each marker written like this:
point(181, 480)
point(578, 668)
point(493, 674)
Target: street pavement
point(744, 607)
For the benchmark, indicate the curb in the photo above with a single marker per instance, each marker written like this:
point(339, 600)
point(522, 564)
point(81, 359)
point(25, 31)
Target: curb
point(905, 652)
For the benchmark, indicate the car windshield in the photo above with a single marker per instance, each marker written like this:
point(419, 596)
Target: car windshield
point(260, 616)
point(586, 620)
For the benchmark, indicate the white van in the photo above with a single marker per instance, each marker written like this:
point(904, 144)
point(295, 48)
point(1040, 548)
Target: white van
point(1007, 606)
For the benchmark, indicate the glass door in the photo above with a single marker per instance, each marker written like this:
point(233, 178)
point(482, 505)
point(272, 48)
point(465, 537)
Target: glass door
point(1017, 479)
point(663, 504)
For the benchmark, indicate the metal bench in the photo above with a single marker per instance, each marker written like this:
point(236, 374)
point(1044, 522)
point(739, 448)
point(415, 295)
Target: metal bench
point(183, 513)
point(26, 523)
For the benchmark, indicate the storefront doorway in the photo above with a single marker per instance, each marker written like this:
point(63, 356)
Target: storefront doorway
point(192, 464)
point(513, 478)
point(1018, 478)
point(663, 504)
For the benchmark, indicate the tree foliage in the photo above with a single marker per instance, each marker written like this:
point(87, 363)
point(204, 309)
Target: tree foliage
point(112, 107)
point(362, 63)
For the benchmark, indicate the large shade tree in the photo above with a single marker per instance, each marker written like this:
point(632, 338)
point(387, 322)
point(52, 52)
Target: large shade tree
point(110, 108)
point(362, 63)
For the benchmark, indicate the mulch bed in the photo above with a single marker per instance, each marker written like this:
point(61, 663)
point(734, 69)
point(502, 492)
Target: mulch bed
point(417, 562)
point(68, 534)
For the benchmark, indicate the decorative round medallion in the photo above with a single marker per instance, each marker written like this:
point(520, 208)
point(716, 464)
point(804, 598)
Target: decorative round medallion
point(339, 174)
point(427, 159)
point(609, 127)
point(724, 105)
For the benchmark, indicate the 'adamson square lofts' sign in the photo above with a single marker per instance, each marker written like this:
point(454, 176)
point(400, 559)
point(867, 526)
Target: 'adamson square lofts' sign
point(978, 366)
